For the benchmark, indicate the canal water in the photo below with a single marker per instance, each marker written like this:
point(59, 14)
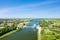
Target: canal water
point(27, 33)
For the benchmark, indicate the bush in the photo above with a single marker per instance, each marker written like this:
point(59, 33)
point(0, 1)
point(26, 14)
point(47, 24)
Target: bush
point(49, 35)
point(7, 29)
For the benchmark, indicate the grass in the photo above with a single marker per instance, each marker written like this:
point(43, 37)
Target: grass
point(39, 35)
point(7, 34)
point(55, 21)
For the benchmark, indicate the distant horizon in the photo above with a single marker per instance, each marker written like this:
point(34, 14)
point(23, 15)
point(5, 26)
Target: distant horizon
point(29, 18)
point(29, 8)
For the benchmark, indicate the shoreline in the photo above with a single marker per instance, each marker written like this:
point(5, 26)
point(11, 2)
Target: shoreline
point(11, 32)
point(7, 34)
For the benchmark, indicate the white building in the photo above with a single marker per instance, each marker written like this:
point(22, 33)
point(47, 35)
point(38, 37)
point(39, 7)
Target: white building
point(20, 25)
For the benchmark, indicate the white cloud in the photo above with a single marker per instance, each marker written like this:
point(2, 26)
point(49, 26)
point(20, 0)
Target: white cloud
point(21, 10)
point(3, 11)
point(27, 6)
point(40, 4)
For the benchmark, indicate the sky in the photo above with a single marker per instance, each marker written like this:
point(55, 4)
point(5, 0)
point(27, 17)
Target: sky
point(29, 8)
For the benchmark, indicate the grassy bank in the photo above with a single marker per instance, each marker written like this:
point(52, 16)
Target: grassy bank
point(7, 34)
point(50, 29)
point(11, 32)
point(39, 35)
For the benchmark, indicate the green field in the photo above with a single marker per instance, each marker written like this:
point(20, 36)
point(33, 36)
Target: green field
point(50, 29)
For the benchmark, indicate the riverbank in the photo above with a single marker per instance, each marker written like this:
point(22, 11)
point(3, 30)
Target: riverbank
point(11, 32)
point(7, 34)
point(38, 32)
point(26, 24)
point(25, 33)
point(38, 35)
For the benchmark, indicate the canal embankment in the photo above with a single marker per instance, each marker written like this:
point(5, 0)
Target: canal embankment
point(38, 32)
point(12, 32)
point(7, 34)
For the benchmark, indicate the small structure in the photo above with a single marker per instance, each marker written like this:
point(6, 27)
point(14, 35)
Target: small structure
point(1, 25)
point(20, 25)
point(10, 24)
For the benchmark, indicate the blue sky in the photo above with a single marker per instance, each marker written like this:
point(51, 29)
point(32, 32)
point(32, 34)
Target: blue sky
point(29, 8)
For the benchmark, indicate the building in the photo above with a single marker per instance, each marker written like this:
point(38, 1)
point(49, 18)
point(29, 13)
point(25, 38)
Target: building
point(20, 25)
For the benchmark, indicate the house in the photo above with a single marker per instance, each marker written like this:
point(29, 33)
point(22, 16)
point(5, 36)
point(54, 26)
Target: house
point(1, 25)
point(20, 25)
point(10, 23)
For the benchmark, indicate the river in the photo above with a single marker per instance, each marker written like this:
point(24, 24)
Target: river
point(27, 33)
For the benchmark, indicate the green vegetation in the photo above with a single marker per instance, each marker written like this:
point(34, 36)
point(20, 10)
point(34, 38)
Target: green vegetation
point(45, 23)
point(6, 29)
point(38, 35)
point(8, 25)
point(50, 29)
point(7, 34)
point(49, 35)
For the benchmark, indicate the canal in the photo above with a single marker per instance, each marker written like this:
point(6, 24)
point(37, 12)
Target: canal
point(27, 33)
